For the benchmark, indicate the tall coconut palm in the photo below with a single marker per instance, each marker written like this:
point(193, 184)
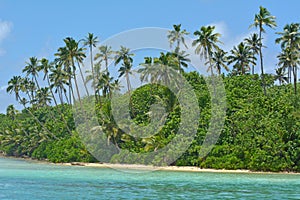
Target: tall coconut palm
point(46, 67)
point(91, 42)
point(219, 60)
point(263, 18)
point(177, 36)
point(254, 43)
point(32, 69)
point(290, 45)
point(206, 43)
point(125, 56)
point(242, 57)
point(69, 55)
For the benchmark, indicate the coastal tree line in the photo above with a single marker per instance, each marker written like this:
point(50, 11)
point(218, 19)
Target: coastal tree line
point(47, 100)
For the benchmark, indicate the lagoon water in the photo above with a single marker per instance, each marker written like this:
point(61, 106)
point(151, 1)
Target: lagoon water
point(21, 179)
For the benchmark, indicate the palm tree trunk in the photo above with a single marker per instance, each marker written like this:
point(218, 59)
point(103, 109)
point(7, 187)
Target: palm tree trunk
point(295, 79)
point(290, 74)
point(60, 96)
point(83, 79)
point(54, 99)
point(261, 61)
point(37, 83)
point(128, 87)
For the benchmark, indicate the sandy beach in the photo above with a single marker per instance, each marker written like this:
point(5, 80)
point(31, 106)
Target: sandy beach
point(133, 167)
point(128, 167)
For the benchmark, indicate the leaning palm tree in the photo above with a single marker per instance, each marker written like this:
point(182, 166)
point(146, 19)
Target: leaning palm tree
point(32, 69)
point(242, 57)
point(219, 60)
point(206, 43)
point(254, 43)
point(264, 17)
point(91, 42)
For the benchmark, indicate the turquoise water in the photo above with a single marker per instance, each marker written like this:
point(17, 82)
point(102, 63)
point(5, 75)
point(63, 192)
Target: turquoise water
point(21, 179)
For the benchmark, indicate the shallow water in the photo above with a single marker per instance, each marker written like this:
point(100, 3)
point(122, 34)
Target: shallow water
point(21, 179)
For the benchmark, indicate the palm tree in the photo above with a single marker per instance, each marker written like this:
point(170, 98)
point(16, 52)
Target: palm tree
point(254, 43)
point(105, 82)
point(290, 45)
point(28, 87)
point(147, 71)
point(46, 67)
point(105, 54)
point(160, 69)
point(219, 60)
point(264, 17)
point(43, 97)
point(284, 62)
point(242, 57)
point(177, 36)
point(281, 75)
point(11, 112)
point(182, 60)
point(290, 37)
point(68, 56)
point(206, 43)
point(14, 85)
point(32, 69)
point(125, 69)
point(91, 42)
point(59, 79)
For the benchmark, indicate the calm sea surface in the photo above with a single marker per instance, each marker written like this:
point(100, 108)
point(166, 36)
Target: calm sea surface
point(21, 179)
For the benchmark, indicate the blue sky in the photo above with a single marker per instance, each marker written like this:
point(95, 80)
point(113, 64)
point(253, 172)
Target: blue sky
point(37, 28)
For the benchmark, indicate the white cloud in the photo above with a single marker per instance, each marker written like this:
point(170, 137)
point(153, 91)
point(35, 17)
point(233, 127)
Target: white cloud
point(5, 28)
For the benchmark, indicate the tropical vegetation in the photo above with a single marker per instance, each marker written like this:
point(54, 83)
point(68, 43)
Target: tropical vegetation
point(261, 130)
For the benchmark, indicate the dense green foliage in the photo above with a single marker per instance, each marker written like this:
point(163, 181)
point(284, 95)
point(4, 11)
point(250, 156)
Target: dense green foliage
point(260, 132)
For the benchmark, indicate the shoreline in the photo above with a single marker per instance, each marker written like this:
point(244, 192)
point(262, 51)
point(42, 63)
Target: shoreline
point(137, 167)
